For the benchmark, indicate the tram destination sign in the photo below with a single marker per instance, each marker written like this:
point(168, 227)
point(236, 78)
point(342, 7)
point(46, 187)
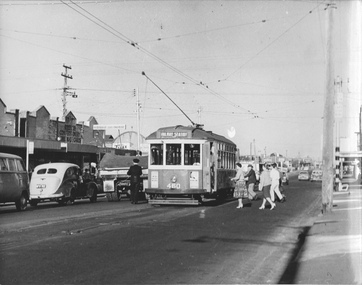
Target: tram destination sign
point(174, 134)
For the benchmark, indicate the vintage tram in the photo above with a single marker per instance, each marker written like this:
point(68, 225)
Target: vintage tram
point(188, 165)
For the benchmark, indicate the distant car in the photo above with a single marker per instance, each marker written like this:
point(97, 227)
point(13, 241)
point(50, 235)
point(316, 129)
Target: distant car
point(60, 182)
point(303, 175)
point(316, 175)
point(14, 181)
point(285, 178)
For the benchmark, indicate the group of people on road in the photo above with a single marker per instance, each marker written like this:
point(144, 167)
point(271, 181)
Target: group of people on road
point(244, 184)
point(269, 183)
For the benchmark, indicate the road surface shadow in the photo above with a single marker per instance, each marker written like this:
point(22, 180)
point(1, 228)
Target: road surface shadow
point(291, 271)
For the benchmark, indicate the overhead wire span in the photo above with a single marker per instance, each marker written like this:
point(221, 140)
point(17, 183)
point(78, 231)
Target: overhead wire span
point(67, 53)
point(134, 44)
point(268, 45)
point(202, 32)
point(50, 2)
point(213, 30)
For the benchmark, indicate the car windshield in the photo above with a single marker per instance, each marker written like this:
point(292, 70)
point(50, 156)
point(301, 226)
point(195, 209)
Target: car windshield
point(303, 172)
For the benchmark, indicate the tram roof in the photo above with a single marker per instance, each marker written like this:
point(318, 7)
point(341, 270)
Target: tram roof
point(187, 132)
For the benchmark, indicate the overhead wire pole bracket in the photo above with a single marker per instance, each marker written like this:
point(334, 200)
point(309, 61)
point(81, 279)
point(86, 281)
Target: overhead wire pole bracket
point(143, 73)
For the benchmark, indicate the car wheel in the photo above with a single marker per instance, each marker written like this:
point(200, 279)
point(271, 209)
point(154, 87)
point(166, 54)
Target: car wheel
point(22, 203)
point(112, 196)
point(34, 203)
point(62, 202)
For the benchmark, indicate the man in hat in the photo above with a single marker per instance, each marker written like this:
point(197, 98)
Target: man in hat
point(250, 182)
point(135, 171)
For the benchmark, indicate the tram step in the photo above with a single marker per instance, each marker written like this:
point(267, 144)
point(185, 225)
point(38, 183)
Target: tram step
point(173, 202)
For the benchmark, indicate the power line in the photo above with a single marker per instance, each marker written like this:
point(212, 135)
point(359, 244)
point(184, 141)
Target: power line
point(271, 43)
point(62, 52)
point(127, 40)
point(203, 32)
point(213, 30)
point(52, 2)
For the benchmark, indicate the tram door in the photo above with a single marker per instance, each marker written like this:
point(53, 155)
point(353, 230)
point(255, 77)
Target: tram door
point(207, 167)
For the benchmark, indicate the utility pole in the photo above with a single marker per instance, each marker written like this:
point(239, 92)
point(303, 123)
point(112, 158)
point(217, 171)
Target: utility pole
point(65, 90)
point(138, 107)
point(328, 119)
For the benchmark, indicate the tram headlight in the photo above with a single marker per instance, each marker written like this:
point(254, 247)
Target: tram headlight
point(174, 179)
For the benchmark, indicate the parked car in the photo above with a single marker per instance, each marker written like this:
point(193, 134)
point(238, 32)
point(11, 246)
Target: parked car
point(316, 175)
point(14, 181)
point(304, 175)
point(60, 182)
point(285, 178)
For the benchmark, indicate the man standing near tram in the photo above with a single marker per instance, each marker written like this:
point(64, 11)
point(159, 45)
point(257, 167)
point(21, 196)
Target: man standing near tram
point(135, 171)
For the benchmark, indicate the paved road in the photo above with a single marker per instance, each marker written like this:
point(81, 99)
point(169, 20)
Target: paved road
point(120, 243)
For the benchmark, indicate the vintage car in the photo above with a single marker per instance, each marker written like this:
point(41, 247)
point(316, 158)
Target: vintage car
point(116, 183)
point(303, 175)
point(60, 182)
point(316, 175)
point(14, 181)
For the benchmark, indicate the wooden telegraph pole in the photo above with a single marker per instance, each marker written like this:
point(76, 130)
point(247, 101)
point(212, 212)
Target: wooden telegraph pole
point(328, 119)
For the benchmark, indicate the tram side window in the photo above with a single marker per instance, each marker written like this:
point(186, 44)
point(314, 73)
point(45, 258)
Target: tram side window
point(232, 161)
point(222, 158)
point(192, 154)
point(173, 154)
point(157, 154)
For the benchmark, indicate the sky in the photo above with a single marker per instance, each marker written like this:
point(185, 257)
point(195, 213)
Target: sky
point(256, 67)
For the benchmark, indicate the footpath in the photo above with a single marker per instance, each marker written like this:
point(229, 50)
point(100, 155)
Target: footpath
point(332, 249)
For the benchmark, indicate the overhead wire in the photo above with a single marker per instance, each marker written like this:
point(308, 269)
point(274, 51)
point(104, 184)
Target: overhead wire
point(212, 30)
point(271, 43)
point(202, 32)
point(127, 40)
point(51, 2)
point(67, 53)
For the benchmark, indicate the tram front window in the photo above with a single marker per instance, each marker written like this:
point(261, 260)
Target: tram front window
point(173, 154)
point(157, 154)
point(192, 154)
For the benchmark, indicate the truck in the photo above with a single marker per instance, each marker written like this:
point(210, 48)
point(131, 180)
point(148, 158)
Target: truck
point(113, 171)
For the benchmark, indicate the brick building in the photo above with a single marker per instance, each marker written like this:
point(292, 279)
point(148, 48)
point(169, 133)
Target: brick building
point(54, 139)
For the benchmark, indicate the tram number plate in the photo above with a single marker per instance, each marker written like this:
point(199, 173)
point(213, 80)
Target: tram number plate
point(174, 185)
